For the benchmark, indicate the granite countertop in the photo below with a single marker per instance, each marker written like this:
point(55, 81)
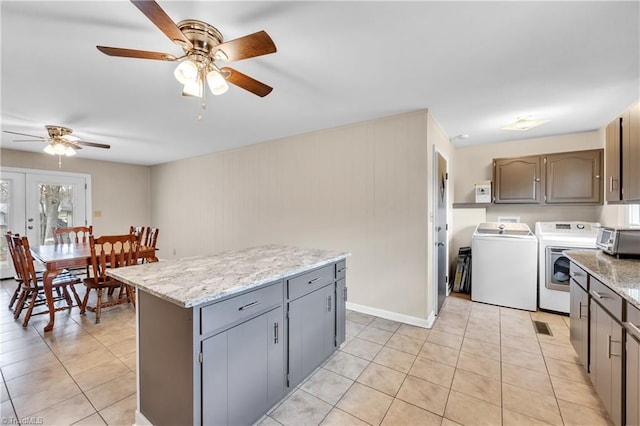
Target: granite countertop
point(192, 281)
point(620, 275)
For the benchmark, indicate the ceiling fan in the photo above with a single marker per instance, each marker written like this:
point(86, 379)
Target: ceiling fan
point(59, 142)
point(203, 45)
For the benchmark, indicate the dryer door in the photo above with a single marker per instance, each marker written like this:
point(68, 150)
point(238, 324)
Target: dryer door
point(557, 268)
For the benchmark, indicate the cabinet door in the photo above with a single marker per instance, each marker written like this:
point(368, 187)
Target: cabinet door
point(633, 381)
point(574, 177)
point(517, 180)
point(613, 161)
point(311, 332)
point(243, 371)
point(606, 360)
point(631, 153)
point(341, 299)
point(579, 314)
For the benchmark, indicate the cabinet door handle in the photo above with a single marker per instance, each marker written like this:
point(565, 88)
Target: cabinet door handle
point(275, 332)
point(314, 280)
point(329, 304)
point(597, 295)
point(580, 310)
point(345, 296)
point(609, 341)
point(249, 305)
point(342, 270)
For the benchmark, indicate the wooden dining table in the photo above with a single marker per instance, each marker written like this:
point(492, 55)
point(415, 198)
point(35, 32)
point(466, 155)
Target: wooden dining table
point(57, 257)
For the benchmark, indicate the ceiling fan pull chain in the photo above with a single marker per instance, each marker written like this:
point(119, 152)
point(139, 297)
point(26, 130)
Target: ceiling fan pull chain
point(203, 102)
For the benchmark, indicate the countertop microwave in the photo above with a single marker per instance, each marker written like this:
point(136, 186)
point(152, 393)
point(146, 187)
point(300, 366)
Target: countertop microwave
point(619, 241)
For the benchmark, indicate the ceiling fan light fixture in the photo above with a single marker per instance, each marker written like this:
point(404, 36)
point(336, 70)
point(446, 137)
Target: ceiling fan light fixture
point(193, 88)
point(186, 72)
point(59, 148)
point(523, 123)
point(217, 83)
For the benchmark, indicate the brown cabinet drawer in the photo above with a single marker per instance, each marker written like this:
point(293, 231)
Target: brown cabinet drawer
point(341, 269)
point(606, 297)
point(578, 275)
point(310, 281)
point(218, 315)
point(633, 321)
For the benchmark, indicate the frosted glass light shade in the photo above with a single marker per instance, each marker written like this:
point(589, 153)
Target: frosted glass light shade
point(217, 84)
point(186, 71)
point(192, 88)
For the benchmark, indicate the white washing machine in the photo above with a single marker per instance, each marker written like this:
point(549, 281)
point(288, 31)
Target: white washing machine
point(553, 271)
point(504, 265)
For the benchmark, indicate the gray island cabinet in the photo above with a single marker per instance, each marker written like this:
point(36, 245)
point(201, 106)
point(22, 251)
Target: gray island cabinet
point(223, 338)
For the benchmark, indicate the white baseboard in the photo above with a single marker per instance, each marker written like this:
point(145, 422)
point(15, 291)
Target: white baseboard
point(393, 316)
point(141, 420)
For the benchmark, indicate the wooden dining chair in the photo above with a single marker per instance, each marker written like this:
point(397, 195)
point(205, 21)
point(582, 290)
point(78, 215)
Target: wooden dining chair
point(73, 234)
point(32, 287)
point(151, 238)
point(138, 231)
point(110, 251)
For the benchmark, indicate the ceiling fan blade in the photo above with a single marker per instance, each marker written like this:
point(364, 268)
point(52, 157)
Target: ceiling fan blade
point(154, 12)
point(247, 83)
point(73, 145)
point(131, 53)
point(25, 134)
point(28, 140)
point(249, 46)
point(93, 144)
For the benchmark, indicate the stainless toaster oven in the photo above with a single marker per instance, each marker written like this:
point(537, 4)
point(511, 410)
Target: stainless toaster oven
point(619, 241)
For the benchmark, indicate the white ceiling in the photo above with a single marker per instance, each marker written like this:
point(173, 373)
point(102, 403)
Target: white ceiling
point(475, 65)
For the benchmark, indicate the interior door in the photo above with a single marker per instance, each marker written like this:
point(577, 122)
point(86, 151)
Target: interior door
point(12, 214)
point(54, 200)
point(440, 232)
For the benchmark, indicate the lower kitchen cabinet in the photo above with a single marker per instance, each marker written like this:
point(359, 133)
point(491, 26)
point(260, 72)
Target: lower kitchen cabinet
point(579, 325)
point(312, 337)
point(606, 357)
point(633, 366)
point(341, 314)
point(252, 354)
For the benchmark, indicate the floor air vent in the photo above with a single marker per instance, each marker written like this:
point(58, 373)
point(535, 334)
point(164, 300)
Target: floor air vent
point(542, 328)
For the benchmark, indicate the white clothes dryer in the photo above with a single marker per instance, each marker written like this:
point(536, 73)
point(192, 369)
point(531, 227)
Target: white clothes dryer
point(553, 272)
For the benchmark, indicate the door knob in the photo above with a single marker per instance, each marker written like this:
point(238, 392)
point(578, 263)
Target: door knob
point(30, 227)
point(439, 244)
point(30, 219)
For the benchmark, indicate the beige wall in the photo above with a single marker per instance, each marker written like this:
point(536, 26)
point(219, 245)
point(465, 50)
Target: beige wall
point(361, 188)
point(119, 191)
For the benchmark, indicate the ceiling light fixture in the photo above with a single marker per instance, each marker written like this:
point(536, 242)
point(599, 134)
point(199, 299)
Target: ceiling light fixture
point(524, 123)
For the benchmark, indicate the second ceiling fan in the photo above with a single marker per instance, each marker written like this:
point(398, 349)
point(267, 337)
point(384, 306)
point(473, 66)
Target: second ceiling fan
point(203, 45)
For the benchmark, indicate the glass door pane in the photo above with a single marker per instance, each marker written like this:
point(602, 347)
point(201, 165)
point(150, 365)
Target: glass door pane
point(53, 201)
point(12, 210)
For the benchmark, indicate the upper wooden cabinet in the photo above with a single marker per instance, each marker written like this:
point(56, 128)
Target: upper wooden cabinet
point(573, 177)
point(517, 180)
point(622, 181)
point(559, 178)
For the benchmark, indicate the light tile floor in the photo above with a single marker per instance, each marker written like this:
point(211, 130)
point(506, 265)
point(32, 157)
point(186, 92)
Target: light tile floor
point(479, 364)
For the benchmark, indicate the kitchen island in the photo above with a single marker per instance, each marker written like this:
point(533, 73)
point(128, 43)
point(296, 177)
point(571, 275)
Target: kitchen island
point(605, 328)
point(223, 338)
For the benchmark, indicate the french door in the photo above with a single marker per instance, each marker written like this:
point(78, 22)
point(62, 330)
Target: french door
point(34, 202)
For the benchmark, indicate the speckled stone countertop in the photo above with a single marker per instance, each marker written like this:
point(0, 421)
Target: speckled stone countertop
point(192, 281)
point(620, 275)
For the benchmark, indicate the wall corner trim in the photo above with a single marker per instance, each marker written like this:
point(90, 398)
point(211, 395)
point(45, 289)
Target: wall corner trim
point(393, 316)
